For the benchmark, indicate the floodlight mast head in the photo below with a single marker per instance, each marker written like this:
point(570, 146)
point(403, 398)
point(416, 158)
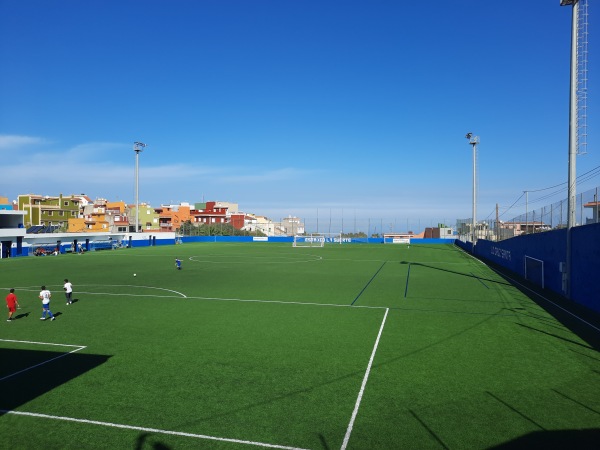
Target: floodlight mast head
point(473, 140)
point(138, 147)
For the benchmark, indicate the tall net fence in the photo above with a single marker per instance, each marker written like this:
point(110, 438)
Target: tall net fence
point(550, 217)
point(336, 222)
point(532, 220)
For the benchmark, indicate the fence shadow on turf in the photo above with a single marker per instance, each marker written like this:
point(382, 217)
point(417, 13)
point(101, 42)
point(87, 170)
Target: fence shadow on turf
point(579, 319)
point(29, 382)
point(454, 272)
point(548, 440)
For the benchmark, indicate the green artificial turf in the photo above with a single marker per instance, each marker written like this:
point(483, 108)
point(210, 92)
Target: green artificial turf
point(259, 345)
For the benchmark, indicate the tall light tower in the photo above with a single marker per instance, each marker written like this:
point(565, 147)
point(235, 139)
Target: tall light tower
point(577, 118)
point(474, 140)
point(138, 147)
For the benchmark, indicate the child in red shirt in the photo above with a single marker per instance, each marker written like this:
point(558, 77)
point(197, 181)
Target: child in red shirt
point(11, 304)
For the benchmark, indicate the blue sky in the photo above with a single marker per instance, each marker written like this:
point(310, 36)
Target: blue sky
point(305, 108)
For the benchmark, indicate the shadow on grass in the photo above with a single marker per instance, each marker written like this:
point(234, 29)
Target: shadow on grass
point(549, 440)
point(570, 341)
point(27, 374)
point(21, 315)
point(454, 272)
point(581, 320)
point(324, 443)
point(552, 439)
point(146, 441)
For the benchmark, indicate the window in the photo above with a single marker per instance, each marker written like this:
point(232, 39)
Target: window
point(66, 203)
point(61, 213)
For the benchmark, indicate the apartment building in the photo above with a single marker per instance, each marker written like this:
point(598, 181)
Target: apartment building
point(47, 210)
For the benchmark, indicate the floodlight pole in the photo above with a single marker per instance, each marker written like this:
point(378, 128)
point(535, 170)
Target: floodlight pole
point(572, 177)
point(138, 147)
point(474, 140)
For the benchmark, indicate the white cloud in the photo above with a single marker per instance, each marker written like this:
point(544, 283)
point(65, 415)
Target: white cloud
point(14, 142)
point(106, 169)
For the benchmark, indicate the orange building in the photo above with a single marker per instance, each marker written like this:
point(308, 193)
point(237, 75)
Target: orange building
point(171, 217)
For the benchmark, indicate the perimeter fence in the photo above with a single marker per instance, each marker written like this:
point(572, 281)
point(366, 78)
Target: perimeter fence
point(550, 217)
point(537, 220)
point(337, 222)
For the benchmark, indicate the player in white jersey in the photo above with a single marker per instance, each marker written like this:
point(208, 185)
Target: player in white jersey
point(68, 287)
point(45, 295)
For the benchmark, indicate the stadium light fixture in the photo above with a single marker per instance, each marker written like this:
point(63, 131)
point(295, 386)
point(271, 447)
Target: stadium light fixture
point(138, 147)
point(473, 141)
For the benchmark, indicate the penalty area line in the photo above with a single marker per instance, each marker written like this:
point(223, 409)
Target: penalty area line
point(148, 430)
point(43, 343)
point(81, 347)
point(364, 383)
point(283, 302)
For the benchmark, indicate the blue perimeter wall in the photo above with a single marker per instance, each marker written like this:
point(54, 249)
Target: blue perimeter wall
point(290, 240)
point(551, 247)
point(155, 240)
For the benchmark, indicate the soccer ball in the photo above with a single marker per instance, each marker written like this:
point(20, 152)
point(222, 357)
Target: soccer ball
point(134, 275)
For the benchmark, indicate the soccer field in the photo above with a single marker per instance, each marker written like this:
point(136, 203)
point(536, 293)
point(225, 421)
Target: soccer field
point(264, 345)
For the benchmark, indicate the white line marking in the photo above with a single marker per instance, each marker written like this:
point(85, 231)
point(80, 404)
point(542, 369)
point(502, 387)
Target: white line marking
point(149, 430)
point(78, 348)
point(364, 383)
point(122, 294)
point(282, 302)
point(129, 285)
point(42, 343)
point(261, 259)
point(161, 289)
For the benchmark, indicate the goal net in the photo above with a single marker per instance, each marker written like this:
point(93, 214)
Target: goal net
point(317, 239)
point(42, 249)
point(534, 270)
point(396, 238)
